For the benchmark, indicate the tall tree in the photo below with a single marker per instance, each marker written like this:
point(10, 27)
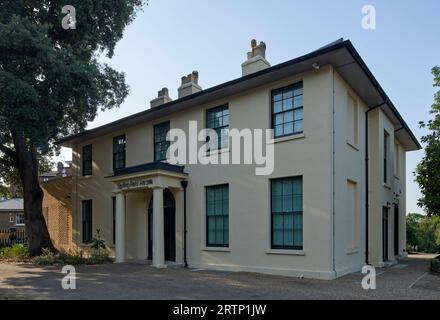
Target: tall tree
point(428, 170)
point(52, 83)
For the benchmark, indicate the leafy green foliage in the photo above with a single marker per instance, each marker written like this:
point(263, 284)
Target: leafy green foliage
point(17, 252)
point(10, 185)
point(71, 258)
point(98, 242)
point(423, 232)
point(428, 170)
point(52, 83)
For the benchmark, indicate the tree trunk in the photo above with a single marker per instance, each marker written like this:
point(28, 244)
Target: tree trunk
point(36, 228)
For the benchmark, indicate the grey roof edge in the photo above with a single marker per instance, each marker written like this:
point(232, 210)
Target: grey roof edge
point(338, 44)
point(382, 92)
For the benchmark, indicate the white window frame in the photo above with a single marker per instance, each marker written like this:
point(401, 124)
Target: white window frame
point(16, 219)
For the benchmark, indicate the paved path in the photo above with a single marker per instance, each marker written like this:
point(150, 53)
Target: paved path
point(408, 280)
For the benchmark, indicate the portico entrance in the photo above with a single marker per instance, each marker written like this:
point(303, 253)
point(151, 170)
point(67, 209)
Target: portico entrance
point(169, 215)
point(160, 183)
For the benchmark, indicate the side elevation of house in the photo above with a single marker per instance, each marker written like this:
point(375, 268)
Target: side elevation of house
point(334, 201)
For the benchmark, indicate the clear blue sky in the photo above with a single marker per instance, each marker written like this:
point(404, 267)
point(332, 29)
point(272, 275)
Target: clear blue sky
point(173, 37)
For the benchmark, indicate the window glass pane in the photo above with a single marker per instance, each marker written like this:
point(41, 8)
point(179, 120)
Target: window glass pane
point(298, 91)
point(287, 203)
point(219, 223)
point(277, 107)
point(277, 187)
point(288, 116)
point(277, 95)
point(288, 128)
point(211, 236)
point(288, 238)
point(298, 102)
point(278, 237)
point(278, 130)
point(219, 237)
point(288, 93)
point(298, 126)
point(278, 119)
point(287, 104)
point(211, 194)
point(277, 203)
point(297, 203)
point(298, 114)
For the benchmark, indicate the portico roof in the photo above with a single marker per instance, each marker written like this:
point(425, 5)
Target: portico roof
point(149, 175)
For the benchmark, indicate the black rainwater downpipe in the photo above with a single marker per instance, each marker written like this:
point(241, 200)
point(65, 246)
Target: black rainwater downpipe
point(367, 197)
point(184, 184)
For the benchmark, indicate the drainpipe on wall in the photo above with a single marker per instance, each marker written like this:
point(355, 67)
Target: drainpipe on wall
point(184, 185)
point(367, 177)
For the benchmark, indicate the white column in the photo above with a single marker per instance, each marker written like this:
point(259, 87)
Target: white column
point(158, 232)
point(120, 227)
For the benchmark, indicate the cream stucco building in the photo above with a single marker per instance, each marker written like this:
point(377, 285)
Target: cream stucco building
point(337, 135)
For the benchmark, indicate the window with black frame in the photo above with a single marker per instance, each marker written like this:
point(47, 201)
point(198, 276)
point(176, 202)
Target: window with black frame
point(217, 119)
point(119, 152)
point(217, 216)
point(87, 231)
point(287, 213)
point(161, 144)
point(87, 160)
point(287, 110)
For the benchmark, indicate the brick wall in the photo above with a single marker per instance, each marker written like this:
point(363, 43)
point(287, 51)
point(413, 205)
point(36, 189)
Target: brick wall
point(57, 211)
point(5, 222)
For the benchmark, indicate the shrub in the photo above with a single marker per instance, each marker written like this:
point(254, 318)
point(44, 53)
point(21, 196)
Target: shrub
point(46, 258)
point(17, 252)
point(72, 258)
point(98, 243)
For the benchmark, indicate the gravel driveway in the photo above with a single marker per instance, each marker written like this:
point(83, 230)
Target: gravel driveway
point(408, 280)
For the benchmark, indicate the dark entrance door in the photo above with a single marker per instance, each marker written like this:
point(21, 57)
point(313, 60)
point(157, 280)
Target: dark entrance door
point(396, 229)
point(169, 211)
point(385, 233)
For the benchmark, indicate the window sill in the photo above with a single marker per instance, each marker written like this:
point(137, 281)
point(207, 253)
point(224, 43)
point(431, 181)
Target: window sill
point(351, 251)
point(386, 185)
point(85, 177)
point(286, 252)
point(289, 138)
point(216, 249)
point(352, 145)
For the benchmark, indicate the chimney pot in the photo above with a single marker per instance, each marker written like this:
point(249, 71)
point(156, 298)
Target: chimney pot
point(162, 98)
point(256, 59)
point(189, 85)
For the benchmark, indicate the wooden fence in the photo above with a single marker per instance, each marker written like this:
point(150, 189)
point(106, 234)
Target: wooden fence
point(12, 236)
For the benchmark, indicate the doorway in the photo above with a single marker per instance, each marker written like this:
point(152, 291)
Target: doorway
point(385, 212)
point(169, 211)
